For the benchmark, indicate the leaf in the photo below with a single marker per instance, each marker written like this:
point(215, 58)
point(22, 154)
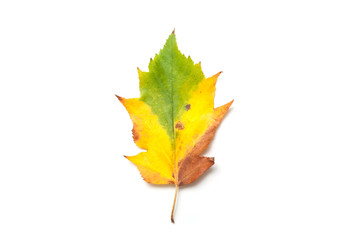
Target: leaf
point(174, 119)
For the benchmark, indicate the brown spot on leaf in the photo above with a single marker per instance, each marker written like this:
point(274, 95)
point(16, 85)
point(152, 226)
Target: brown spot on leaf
point(188, 106)
point(179, 125)
point(135, 135)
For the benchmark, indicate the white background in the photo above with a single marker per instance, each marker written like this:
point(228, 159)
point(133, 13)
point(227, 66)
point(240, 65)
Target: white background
point(287, 154)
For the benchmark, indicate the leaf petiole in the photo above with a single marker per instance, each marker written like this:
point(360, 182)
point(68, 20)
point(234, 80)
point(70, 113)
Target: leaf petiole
point(175, 199)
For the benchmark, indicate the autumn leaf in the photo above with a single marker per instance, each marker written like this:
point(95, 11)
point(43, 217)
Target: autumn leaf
point(174, 119)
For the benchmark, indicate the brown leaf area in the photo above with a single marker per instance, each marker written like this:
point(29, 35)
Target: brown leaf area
point(194, 165)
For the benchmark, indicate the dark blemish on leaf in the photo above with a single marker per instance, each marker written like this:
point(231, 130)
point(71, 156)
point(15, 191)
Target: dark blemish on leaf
point(179, 125)
point(188, 106)
point(135, 135)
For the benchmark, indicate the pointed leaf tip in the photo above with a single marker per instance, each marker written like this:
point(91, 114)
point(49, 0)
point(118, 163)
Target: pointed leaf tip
point(120, 98)
point(138, 70)
point(219, 73)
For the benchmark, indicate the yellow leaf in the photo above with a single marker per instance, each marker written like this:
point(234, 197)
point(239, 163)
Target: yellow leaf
point(174, 119)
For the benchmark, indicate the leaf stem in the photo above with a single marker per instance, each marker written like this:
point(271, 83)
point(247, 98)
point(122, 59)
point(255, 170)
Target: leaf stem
point(175, 199)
